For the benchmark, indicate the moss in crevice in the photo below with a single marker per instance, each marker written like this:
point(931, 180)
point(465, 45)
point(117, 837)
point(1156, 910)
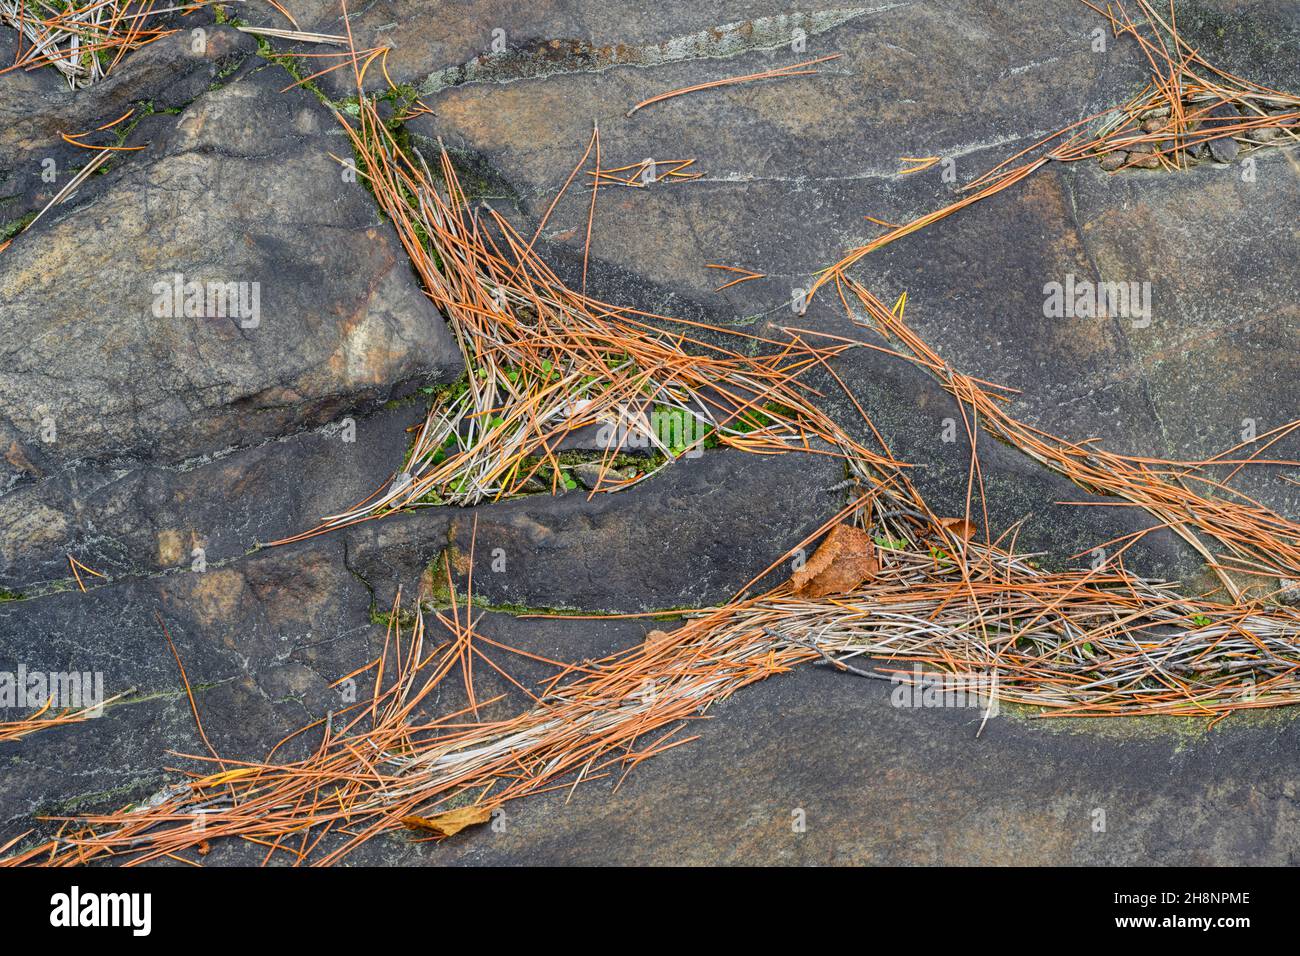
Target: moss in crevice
point(111, 797)
point(289, 63)
point(15, 226)
point(294, 68)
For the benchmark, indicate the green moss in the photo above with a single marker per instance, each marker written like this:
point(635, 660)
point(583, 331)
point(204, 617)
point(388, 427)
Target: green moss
point(294, 68)
point(387, 618)
point(443, 601)
point(436, 574)
point(15, 226)
point(403, 401)
point(110, 797)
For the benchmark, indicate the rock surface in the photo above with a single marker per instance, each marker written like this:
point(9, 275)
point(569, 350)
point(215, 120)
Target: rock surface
point(885, 785)
point(264, 635)
point(36, 105)
point(791, 168)
point(181, 444)
point(686, 538)
point(106, 356)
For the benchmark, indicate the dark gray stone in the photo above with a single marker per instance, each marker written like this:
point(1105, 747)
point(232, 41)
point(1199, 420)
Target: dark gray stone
point(239, 189)
point(1224, 149)
point(690, 537)
point(154, 81)
point(126, 522)
point(261, 641)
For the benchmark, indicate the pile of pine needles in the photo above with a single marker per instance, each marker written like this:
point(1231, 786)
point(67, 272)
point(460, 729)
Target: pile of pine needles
point(45, 717)
point(546, 361)
point(84, 40)
point(1255, 541)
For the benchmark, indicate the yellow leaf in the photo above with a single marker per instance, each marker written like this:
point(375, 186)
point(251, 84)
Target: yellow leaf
point(961, 527)
point(655, 638)
point(449, 823)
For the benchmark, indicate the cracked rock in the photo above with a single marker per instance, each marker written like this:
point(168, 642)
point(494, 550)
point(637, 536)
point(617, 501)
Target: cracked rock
point(224, 285)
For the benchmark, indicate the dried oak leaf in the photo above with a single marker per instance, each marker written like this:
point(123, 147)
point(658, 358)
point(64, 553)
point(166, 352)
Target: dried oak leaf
point(845, 559)
point(449, 823)
point(961, 527)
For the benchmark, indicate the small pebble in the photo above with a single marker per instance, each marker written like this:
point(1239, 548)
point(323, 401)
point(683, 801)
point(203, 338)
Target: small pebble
point(1224, 149)
point(588, 474)
point(1114, 160)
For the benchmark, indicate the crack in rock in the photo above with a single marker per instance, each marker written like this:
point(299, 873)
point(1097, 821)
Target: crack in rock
point(544, 58)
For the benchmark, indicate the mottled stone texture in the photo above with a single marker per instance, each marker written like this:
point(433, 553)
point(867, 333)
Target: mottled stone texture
point(239, 190)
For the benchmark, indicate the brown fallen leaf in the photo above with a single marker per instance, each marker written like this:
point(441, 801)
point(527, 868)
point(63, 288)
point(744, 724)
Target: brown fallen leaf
point(844, 559)
point(449, 823)
point(655, 638)
point(961, 527)
point(19, 461)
